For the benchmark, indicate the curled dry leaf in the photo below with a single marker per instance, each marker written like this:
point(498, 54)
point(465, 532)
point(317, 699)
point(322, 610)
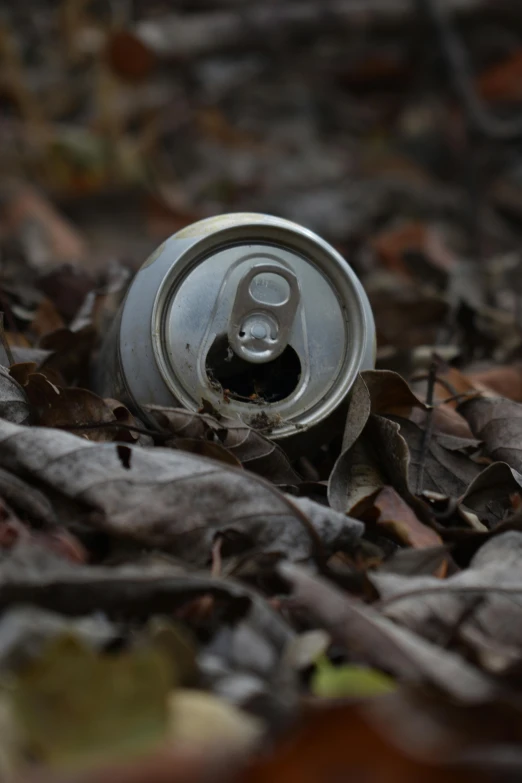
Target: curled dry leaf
point(14, 405)
point(171, 499)
point(490, 494)
point(498, 422)
point(381, 643)
point(378, 457)
point(67, 408)
point(253, 450)
point(74, 409)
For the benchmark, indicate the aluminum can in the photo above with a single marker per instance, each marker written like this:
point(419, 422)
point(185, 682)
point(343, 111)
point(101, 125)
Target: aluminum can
point(251, 313)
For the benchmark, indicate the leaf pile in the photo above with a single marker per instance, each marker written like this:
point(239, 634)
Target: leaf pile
point(188, 601)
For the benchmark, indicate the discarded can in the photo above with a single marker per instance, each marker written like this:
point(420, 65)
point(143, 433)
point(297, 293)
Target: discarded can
point(251, 313)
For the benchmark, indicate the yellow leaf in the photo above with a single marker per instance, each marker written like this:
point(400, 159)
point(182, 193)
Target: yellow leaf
point(77, 707)
point(335, 682)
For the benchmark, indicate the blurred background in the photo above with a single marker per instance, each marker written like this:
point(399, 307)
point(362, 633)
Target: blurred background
point(123, 120)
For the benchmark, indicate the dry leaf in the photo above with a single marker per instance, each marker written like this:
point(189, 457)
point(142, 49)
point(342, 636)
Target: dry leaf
point(171, 499)
point(14, 405)
point(253, 450)
point(344, 742)
point(201, 721)
point(498, 422)
point(76, 707)
point(470, 606)
point(391, 513)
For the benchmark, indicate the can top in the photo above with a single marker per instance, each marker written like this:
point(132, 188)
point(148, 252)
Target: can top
point(262, 318)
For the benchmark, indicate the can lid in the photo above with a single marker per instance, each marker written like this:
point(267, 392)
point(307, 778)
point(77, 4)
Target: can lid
point(263, 319)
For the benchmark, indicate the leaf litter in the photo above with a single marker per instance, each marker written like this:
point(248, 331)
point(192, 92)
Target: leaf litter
point(179, 597)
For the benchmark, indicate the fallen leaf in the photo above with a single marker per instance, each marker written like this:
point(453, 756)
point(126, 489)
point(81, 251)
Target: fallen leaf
point(480, 606)
point(502, 81)
point(67, 286)
point(378, 457)
point(505, 381)
point(389, 512)
point(490, 494)
point(70, 353)
point(128, 56)
point(202, 721)
point(47, 319)
point(345, 742)
point(414, 249)
point(348, 681)
point(253, 450)
point(14, 405)
point(498, 422)
point(445, 467)
point(123, 710)
point(71, 409)
point(171, 499)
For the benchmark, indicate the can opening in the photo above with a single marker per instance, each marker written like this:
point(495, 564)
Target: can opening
point(247, 382)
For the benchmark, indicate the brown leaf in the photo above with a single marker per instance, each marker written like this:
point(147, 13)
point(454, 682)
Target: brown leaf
point(498, 422)
point(349, 742)
point(503, 81)
point(67, 286)
point(173, 500)
point(70, 353)
point(505, 381)
point(395, 246)
point(253, 450)
point(446, 467)
point(390, 512)
point(390, 394)
point(391, 451)
point(70, 409)
point(47, 319)
point(128, 56)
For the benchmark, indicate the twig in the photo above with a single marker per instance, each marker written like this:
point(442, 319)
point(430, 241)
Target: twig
point(429, 426)
point(160, 435)
point(5, 343)
point(444, 587)
point(217, 561)
point(465, 615)
point(460, 73)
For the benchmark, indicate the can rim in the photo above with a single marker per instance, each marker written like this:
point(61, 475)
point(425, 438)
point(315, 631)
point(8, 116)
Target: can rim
point(215, 234)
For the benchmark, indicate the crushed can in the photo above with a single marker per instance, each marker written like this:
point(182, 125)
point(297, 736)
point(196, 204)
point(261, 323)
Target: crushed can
point(251, 314)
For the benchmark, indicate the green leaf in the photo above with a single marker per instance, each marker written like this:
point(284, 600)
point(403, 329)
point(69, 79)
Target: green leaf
point(331, 682)
point(75, 706)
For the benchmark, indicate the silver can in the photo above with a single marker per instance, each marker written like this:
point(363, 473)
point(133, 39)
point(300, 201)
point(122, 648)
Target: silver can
point(251, 313)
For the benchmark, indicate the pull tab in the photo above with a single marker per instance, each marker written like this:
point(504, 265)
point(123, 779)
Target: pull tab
point(263, 312)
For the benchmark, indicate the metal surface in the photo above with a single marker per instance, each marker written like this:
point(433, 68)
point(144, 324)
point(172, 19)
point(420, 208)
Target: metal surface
point(263, 312)
point(253, 313)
